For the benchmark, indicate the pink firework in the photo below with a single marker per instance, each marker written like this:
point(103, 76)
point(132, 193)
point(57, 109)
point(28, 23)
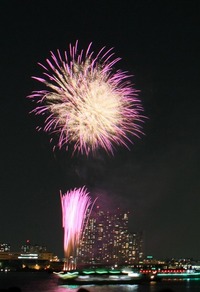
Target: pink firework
point(75, 204)
point(86, 102)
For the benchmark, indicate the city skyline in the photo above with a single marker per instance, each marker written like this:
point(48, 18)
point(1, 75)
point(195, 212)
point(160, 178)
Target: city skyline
point(158, 178)
point(105, 240)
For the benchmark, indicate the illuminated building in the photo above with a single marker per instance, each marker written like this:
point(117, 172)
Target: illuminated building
point(28, 252)
point(4, 247)
point(106, 240)
point(135, 248)
point(29, 248)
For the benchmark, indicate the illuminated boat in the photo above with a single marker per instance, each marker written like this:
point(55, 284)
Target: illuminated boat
point(177, 274)
point(100, 277)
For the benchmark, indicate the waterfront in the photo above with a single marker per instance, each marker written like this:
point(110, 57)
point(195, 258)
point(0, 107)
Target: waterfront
point(44, 282)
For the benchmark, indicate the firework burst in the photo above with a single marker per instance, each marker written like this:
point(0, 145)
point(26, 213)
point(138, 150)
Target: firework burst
point(86, 103)
point(75, 204)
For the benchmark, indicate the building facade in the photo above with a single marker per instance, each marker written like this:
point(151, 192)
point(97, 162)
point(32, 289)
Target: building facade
point(107, 241)
point(28, 252)
point(4, 247)
point(30, 248)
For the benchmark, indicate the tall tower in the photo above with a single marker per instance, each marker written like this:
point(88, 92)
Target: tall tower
point(106, 239)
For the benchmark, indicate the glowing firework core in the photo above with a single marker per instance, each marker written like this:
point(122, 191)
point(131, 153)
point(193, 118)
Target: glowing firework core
point(86, 104)
point(75, 204)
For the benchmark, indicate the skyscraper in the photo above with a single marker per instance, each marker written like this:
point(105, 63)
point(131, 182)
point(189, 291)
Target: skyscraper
point(107, 241)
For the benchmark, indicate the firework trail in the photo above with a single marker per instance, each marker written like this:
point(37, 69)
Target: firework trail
point(86, 103)
point(75, 204)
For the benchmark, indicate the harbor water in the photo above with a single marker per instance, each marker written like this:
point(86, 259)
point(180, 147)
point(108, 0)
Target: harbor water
point(44, 282)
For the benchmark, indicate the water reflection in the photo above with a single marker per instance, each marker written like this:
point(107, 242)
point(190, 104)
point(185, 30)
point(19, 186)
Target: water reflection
point(104, 288)
point(39, 282)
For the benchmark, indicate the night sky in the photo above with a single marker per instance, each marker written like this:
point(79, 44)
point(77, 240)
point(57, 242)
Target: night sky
point(158, 179)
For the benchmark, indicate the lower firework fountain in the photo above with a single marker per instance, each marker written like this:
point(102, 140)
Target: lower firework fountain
point(75, 205)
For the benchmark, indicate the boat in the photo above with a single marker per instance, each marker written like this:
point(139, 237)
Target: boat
point(178, 274)
point(100, 277)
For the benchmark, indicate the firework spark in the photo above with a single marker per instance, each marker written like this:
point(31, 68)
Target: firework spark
point(86, 103)
point(75, 204)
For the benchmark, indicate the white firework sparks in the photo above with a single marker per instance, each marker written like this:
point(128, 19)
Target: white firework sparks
point(86, 104)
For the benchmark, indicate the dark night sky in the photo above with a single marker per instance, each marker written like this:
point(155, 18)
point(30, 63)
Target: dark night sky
point(158, 180)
